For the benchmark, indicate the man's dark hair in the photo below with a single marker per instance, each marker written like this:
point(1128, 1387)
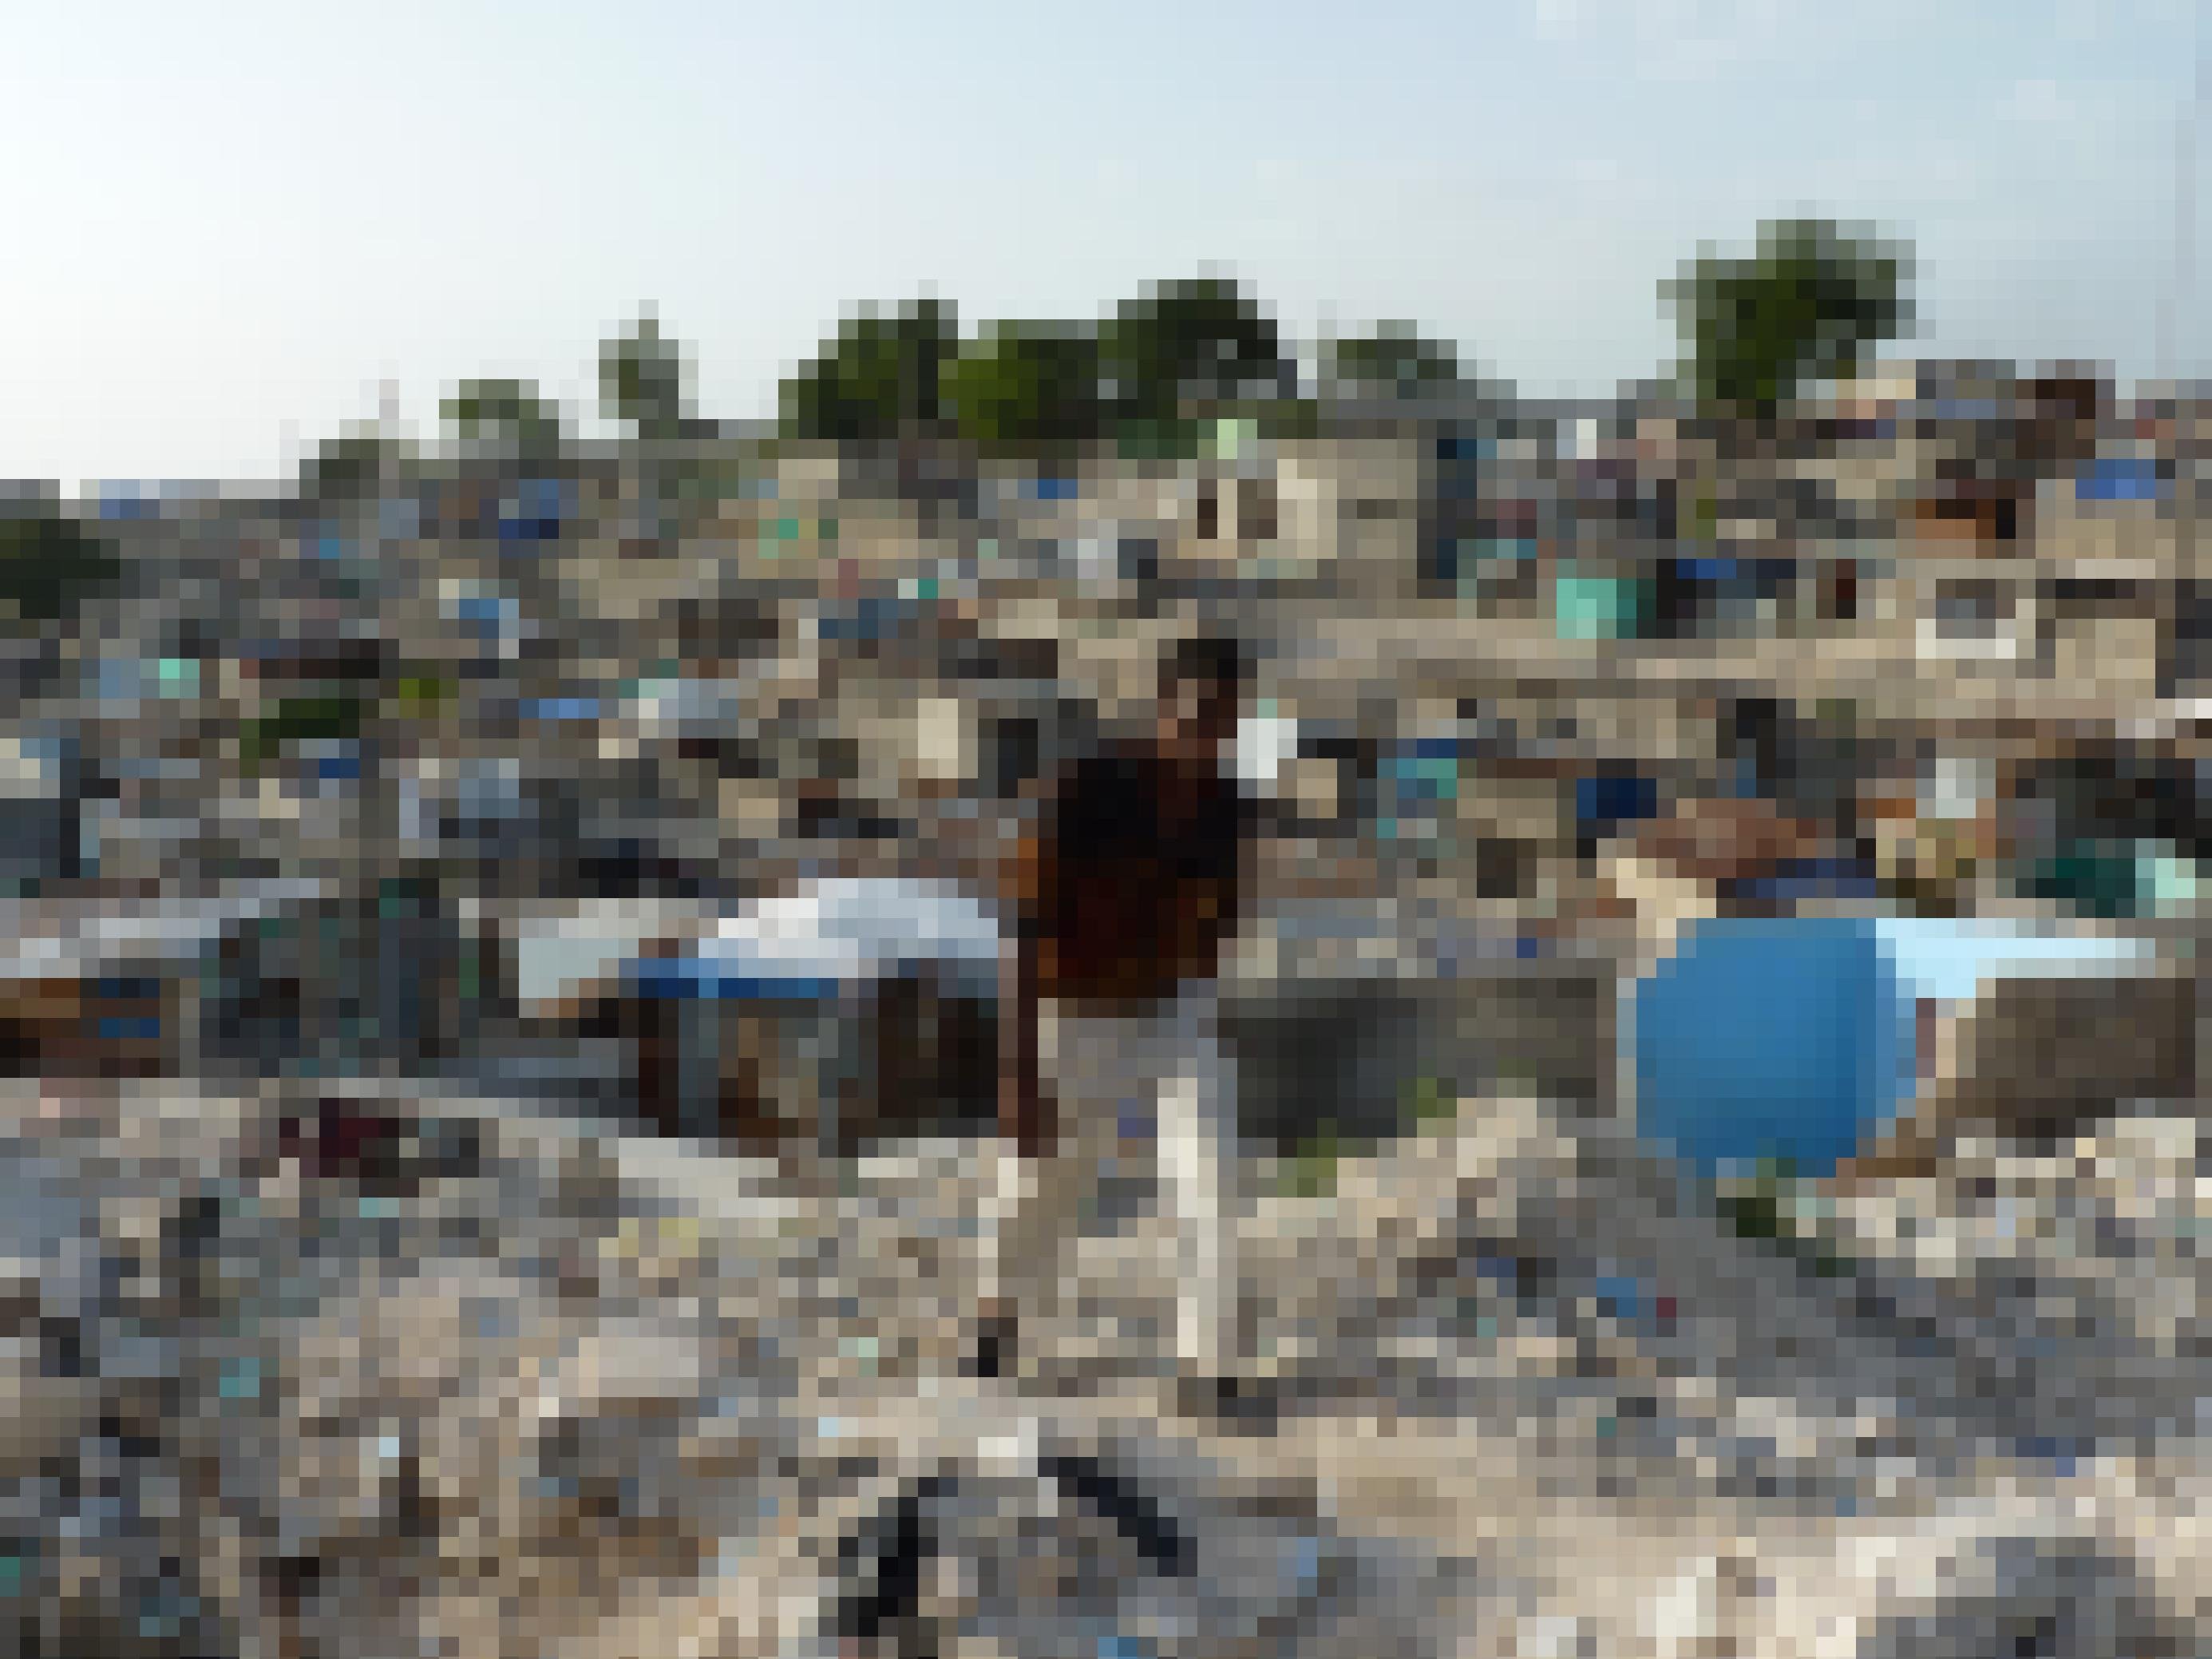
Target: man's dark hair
point(1218, 662)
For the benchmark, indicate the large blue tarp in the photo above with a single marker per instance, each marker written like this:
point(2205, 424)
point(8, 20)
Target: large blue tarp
point(1608, 799)
point(2120, 479)
point(559, 708)
point(536, 511)
point(1789, 1039)
point(877, 616)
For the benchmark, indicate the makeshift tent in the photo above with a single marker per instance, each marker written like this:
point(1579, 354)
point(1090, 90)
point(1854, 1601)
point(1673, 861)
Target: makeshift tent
point(806, 964)
point(836, 934)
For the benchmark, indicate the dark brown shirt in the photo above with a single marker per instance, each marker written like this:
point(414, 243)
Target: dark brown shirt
point(1137, 878)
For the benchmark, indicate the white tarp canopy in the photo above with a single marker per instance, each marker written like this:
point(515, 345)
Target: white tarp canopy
point(836, 931)
point(853, 929)
point(556, 951)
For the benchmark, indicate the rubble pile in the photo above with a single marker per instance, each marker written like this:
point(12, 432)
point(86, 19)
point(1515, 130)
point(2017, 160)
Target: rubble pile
point(525, 1389)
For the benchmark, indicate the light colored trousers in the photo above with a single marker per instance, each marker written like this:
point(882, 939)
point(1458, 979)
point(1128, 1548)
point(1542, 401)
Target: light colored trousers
point(1156, 1084)
point(1159, 1086)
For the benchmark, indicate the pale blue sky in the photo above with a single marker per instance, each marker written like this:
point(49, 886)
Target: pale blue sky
point(228, 224)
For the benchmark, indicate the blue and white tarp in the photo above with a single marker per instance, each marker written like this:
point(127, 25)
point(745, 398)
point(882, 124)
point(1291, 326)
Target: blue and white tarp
point(835, 935)
point(1793, 1038)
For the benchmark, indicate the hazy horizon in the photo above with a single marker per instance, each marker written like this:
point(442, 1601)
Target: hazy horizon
point(233, 235)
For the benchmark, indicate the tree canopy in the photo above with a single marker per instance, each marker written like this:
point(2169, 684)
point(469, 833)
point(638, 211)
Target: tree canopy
point(643, 380)
point(1178, 351)
point(1392, 359)
point(50, 562)
point(1806, 304)
point(351, 465)
point(504, 411)
point(1181, 348)
point(878, 379)
point(1027, 388)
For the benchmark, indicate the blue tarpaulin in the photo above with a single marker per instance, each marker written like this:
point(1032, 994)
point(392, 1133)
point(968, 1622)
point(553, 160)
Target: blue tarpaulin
point(835, 935)
point(129, 504)
point(1433, 749)
point(1615, 797)
point(536, 512)
point(1415, 778)
point(1793, 1038)
point(692, 980)
point(561, 709)
point(1789, 1039)
point(2120, 480)
point(877, 618)
point(1749, 578)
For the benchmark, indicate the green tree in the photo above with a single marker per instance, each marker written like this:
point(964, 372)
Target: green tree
point(879, 380)
point(1028, 388)
point(1183, 349)
point(1806, 304)
point(505, 411)
point(643, 380)
point(1393, 361)
point(50, 562)
point(352, 465)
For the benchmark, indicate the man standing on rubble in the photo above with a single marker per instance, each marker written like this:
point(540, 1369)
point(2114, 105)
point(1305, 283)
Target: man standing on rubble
point(1123, 902)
